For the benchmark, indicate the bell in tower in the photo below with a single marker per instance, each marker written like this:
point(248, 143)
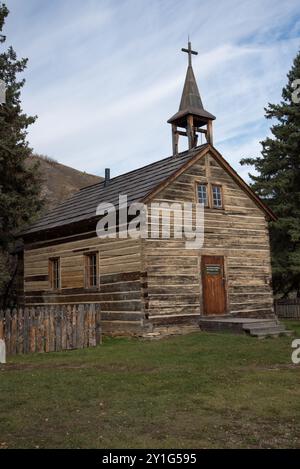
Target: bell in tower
point(191, 116)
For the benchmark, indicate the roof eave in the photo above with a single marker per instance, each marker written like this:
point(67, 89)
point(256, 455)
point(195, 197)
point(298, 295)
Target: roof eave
point(191, 111)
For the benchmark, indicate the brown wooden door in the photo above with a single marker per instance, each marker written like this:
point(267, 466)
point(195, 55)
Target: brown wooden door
point(213, 281)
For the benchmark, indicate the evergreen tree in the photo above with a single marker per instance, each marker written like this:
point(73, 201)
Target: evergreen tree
point(19, 183)
point(278, 183)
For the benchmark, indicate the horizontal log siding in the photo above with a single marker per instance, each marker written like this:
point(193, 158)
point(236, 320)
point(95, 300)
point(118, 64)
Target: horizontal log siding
point(239, 233)
point(119, 292)
point(160, 277)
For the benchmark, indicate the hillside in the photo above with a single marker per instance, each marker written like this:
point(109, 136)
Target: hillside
point(60, 181)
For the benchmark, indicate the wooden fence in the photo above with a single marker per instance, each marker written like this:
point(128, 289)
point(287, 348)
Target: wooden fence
point(288, 308)
point(50, 328)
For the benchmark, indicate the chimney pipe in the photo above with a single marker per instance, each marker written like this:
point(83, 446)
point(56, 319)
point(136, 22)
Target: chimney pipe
point(107, 176)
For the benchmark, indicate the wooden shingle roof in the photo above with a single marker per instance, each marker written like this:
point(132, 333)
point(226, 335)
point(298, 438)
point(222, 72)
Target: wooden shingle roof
point(136, 184)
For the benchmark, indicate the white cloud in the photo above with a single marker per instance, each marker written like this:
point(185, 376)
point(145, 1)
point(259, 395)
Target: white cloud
point(104, 77)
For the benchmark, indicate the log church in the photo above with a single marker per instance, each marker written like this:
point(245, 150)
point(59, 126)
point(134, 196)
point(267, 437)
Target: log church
point(146, 283)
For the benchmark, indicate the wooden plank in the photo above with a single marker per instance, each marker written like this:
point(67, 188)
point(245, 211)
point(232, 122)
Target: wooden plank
point(40, 330)
point(68, 327)
point(7, 321)
point(13, 345)
point(58, 330)
point(31, 330)
point(91, 325)
point(1, 324)
point(52, 329)
point(80, 327)
point(46, 330)
point(74, 325)
point(86, 326)
point(63, 313)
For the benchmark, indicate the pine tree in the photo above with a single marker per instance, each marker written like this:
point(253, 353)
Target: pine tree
point(19, 183)
point(278, 183)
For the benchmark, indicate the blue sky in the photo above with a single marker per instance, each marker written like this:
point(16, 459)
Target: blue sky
point(105, 75)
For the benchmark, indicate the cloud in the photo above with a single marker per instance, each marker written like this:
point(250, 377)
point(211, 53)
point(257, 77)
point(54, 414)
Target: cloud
point(104, 77)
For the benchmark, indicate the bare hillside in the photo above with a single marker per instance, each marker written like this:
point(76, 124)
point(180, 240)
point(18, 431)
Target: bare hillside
point(60, 181)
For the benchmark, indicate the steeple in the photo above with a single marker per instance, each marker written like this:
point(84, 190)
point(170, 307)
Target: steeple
point(191, 115)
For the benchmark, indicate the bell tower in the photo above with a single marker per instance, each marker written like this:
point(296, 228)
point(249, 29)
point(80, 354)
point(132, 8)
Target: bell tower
point(191, 117)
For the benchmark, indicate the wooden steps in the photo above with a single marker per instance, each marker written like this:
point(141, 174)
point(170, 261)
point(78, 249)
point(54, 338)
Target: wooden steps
point(260, 328)
point(263, 329)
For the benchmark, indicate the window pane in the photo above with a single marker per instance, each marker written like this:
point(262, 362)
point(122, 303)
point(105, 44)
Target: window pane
point(202, 194)
point(217, 196)
point(92, 270)
point(54, 274)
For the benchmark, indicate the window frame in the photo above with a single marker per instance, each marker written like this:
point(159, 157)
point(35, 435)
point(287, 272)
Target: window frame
point(198, 184)
point(87, 273)
point(54, 278)
point(219, 186)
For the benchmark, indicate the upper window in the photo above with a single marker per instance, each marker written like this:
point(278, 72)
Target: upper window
point(202, 194)
point(54, 273)
point(217, 196)
point(91, 270)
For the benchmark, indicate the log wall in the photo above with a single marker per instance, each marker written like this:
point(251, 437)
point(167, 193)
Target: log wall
point(239, 232)
point(159, 279)
point(120, 283)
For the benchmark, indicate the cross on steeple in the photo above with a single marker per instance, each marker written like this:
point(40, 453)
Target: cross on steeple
point(190, 52)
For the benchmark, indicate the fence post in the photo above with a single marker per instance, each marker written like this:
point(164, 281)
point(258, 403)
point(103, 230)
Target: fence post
point(7, 329)
point(2, 351)
point(20, 328)
point(98, 325)
point(1, 324)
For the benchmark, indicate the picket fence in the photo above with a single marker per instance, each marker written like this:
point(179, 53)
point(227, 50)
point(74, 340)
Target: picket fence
point(288, 308)
point(50, 328)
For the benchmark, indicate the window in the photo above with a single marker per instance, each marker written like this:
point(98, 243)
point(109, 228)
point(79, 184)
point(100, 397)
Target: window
point(91, 270)
point(210, 195)
point(54, 273)
point(202, 194)
point(217, 196)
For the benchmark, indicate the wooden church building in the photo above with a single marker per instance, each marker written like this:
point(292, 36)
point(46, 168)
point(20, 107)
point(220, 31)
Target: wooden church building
point(145, 282)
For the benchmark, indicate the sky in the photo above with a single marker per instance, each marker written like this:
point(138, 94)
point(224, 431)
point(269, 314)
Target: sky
point(104, 76)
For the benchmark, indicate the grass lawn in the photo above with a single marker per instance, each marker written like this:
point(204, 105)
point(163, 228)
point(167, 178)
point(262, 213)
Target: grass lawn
point(200, 390)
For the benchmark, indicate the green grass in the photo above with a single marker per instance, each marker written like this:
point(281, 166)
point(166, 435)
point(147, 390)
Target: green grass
point(200, 390)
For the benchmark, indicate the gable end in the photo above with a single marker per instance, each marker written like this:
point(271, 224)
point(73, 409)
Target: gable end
point(227, 167)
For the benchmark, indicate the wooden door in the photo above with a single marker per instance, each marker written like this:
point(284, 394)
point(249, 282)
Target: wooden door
point(213, 282)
